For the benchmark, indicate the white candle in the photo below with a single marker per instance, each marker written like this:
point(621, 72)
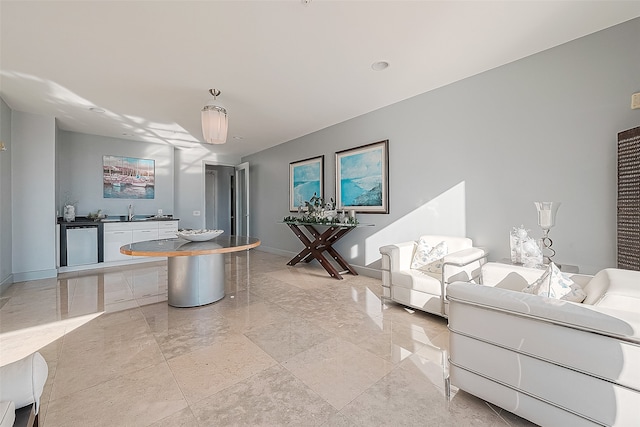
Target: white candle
point(544, 219)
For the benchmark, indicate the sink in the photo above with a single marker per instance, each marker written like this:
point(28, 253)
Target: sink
point(123, 218)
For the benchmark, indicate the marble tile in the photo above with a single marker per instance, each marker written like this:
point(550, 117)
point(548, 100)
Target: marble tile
point(353, 291)
point(338, 370)
point(233, 301)
point(187, 337)
point(246, 318)
point(346, 321)
point(208, 370)
point(162, 317)
point(182, 418)
point(136, 399)
point(303, 277)
point(147, 282)
point(30, 309)
point(268, 287)
point(273, 397)
point(415, 391)
point(395, 341)
point(287, 338)
point(51, 354)
point(110, 346)
point(19, 343)
point(286, 346)
point(295, 300)
point(402, 393)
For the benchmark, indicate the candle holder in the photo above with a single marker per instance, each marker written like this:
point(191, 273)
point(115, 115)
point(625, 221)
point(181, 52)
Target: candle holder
point(546, 219)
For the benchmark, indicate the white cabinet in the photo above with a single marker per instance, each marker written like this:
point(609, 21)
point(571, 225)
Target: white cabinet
point(144, 232)
point(116, 235)
point(123, 233)
point(167, 229)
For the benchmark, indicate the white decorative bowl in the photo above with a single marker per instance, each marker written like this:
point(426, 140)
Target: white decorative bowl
point(199, 235)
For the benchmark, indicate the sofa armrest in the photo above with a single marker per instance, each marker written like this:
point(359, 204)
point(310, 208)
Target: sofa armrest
point(7, 413)
point(400, 255)
point(23, 381)
point(464, 265)
point(609, 322)
point(465, 256)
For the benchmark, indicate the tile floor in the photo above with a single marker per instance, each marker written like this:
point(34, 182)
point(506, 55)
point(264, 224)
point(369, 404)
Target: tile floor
point(286, 346)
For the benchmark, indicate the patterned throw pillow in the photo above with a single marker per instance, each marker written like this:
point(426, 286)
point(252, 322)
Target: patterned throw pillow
point(429, 258)
point(555, 284)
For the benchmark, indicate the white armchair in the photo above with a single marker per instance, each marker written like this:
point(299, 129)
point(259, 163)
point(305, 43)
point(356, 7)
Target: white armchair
point(21, 385)
point(425, 290)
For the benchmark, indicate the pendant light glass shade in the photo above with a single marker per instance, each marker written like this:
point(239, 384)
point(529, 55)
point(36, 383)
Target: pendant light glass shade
point(214, 122)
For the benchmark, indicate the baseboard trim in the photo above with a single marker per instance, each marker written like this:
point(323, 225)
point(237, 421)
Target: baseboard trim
point(364, 271)
point(35, 275)
point(275, 251)
point(6, 283)
point(369, 272)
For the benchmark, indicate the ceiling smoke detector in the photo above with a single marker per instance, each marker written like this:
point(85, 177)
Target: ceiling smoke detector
point(380, 65)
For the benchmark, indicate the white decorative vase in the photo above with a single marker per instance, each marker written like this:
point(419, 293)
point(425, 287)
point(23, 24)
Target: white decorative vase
point(69, 213)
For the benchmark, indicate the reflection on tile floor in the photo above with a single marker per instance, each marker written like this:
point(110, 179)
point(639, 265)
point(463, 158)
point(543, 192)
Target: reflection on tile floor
point(286, 346)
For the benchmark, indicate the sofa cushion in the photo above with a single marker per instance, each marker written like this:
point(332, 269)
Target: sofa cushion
point(429, 258)
point(418, 280)
point(516, 278)
point(555, 284)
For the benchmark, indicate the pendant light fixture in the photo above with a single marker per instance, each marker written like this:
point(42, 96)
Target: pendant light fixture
point(214, 121)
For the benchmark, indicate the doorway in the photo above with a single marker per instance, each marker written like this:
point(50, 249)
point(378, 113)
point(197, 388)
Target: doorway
point(218, 201)
point(226, 197)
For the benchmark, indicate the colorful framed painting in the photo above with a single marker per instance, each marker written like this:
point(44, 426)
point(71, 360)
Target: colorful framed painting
point(362, 178)
point(306, 178)
point(128, 178)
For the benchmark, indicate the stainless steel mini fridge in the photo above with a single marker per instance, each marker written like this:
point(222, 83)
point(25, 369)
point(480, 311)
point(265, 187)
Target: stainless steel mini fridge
point(82, 245)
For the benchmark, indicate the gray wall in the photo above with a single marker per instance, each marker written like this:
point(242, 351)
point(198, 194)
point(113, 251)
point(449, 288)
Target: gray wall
point(43, 166)
point(33, 196)
point(179, 176)
point(6, 258)
point(190, 167)
point(472, 157)
point(80, 174)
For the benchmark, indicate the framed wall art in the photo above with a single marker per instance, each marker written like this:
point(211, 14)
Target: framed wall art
point(362, 178)
point(128, 178)
point(306, 178)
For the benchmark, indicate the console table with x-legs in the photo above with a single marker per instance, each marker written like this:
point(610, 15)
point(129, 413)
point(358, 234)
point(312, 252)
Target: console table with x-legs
point(316, 243)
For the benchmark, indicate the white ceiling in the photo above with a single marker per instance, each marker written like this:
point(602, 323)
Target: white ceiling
point(285, 68)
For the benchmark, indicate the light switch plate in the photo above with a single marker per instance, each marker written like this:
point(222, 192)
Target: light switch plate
point(635, 101)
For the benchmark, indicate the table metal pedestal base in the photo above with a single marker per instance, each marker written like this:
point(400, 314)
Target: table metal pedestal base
point(195, 280)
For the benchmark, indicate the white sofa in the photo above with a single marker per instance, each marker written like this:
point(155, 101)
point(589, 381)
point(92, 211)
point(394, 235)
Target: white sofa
point(427, 291)
point(21, 385)
point(555, 363)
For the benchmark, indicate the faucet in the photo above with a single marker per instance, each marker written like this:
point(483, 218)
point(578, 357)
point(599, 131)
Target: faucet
point(130, 212)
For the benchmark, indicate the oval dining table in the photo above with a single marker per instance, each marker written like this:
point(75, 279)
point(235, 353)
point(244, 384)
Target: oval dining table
point(195, 269)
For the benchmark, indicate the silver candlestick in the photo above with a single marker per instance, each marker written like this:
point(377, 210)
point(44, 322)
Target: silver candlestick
point(546, 219)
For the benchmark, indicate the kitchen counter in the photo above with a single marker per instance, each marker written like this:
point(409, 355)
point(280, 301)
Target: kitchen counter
point(83, 220)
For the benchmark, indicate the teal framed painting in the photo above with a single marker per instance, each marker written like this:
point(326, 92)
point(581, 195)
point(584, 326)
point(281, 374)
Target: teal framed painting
point(128, 178)
point(306, 179)
point(362, 178)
